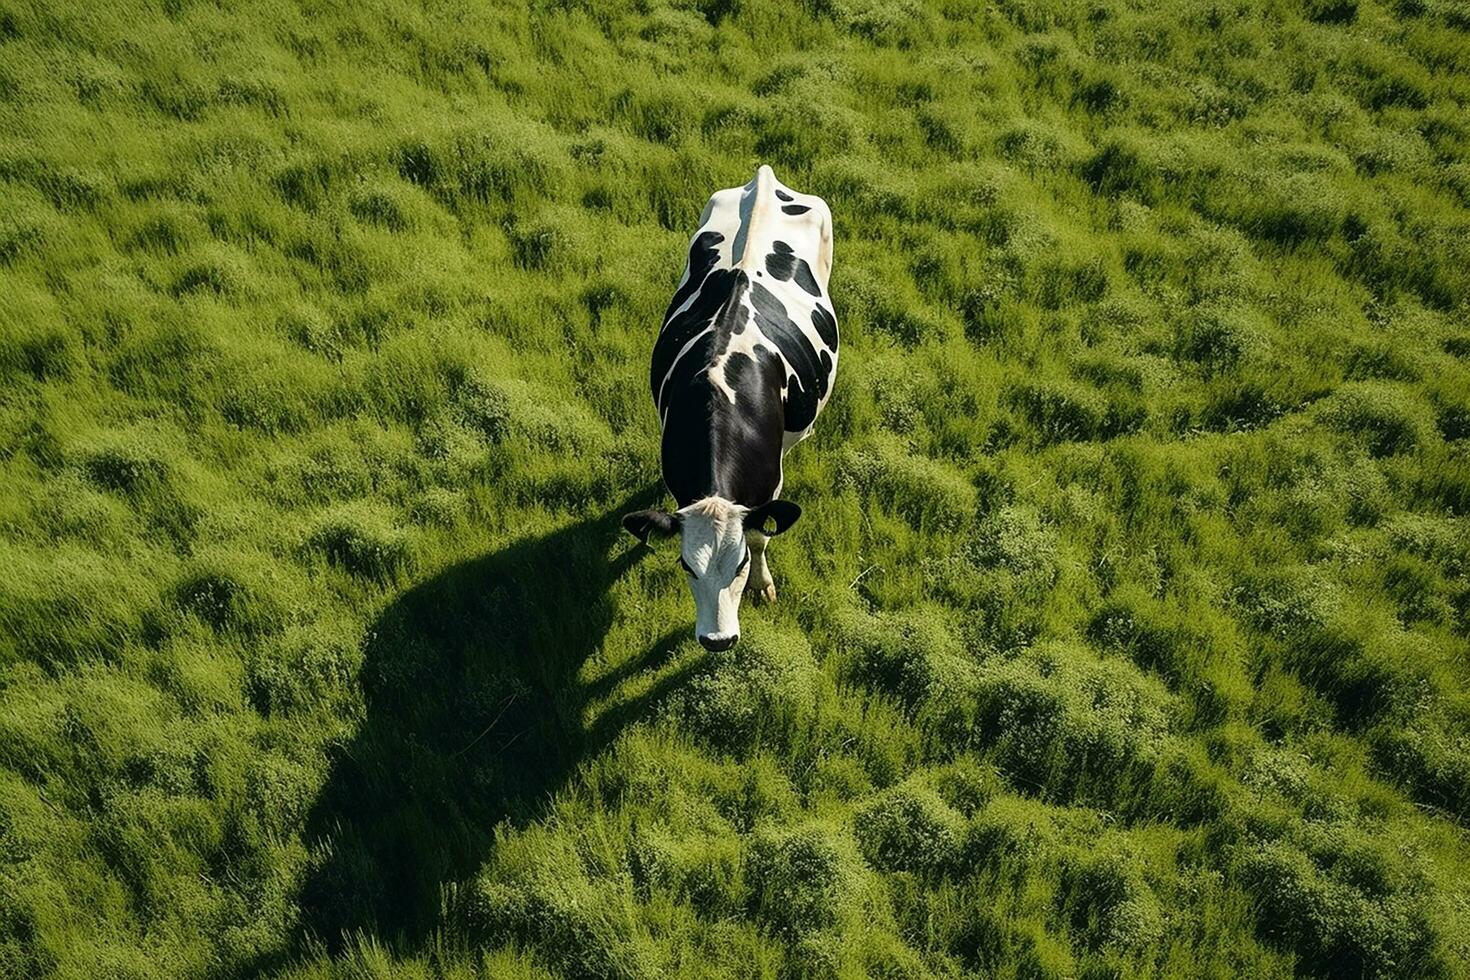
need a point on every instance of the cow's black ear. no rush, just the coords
(645, 524)
(781, 513)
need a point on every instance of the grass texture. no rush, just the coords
(1125, 632)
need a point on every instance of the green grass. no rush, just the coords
(1127, 629)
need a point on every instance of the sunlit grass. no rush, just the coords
(1124, 632)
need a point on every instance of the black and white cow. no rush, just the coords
(743, 365)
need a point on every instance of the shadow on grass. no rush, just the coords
(474, 715)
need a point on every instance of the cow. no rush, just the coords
(743, 365)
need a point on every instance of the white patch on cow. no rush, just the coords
(716, 564)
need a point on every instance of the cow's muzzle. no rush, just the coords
(716, 642)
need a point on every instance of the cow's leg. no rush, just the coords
(760, 584)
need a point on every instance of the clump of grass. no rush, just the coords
(134, 465)
(379, 206)
(908, 828)
(1185, 649)
(40, 353)
(537, 245)
(1381, 361)
(1441, 540)
(439, 507)
(128, 465)
(1332, 11)
(662, 118)
(1120, 166)
(1429, 755)
(1015, 538)
(800, 881)
(1061, 283)
(1288, 602)
(571, 922)
(1387, 420)
(477, 414)
(914, 657)
(1059, 729)
(303, 667)
(216, 597)
(484, 407)
(218, 277)
(1242, 407)
(1217, 340)
(925, 492)
(24, 229)
(1453, 421)
(68, 189)
(1058, 411)
(1292, 210)
(967, 786)
(1038, 146)
(68, 606)
(361, 540)
(1335, 924)
(1110, 903)
(901, 25)
(757, 694)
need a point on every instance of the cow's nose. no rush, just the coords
(715, 643)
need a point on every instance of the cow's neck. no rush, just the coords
(715, 448)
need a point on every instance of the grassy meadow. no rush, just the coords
(1126, 632)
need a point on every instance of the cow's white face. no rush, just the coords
(715, 555)
(716, 562)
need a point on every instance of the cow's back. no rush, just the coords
(752, 306)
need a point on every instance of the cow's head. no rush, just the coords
(715, 554)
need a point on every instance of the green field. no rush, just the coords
(1126, 631)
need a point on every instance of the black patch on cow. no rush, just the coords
(805, 279)
(703, 256)
(781, 264)
(688, 449)
(785, 266)
(807, 383)
(718, 302)
(749, 450)
(794, 209)
(689, 368)
(711, 446)
(784, 196)
(826, 326)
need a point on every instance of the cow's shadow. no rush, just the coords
(474, 715)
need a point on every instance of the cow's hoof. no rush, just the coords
(760, 594)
